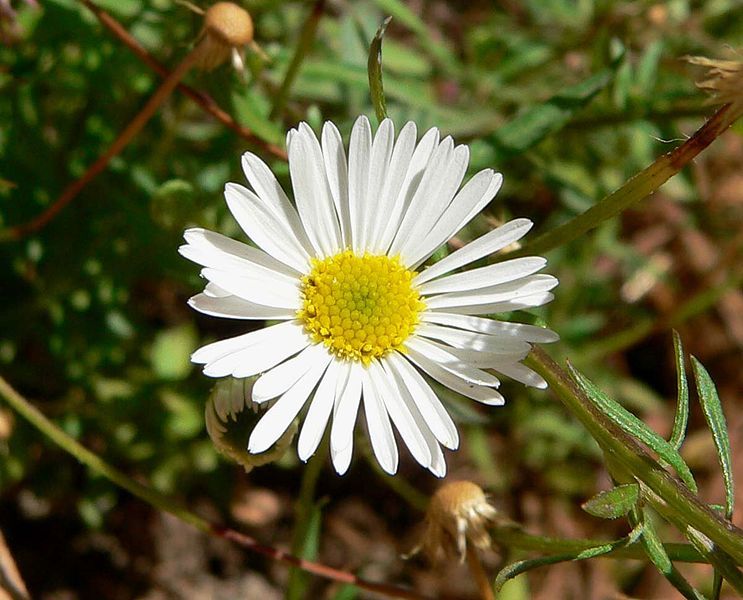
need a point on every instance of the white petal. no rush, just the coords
(359, 158)
(378, 425)
(486, 395)
(483, 246)
(529, 301)
(312, 193)
(345, 410)
(269, 230)
(478, 342)
(259, 355)
(436, 190)
(255, 359)
(431, 202)
(394, 178)
(259, 288)
(436, 463)
(277, 418)
(215, 350)
(425, 399)
(528, 333)
(278, 380)
(214, 291)
(233, 307)
(273, 197)
(321, 406)
(398, 410)
(381, 151)
(522, 374)
(450, 362)
(482, 277)
(342, 459)
(211, 249)
(505, 292)
(469, 201)
(416, 168)
(336, 169)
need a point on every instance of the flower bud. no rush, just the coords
(230, 417)
(227, 29)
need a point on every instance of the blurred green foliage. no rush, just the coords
(567, 98)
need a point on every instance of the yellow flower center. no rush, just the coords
(360, 307)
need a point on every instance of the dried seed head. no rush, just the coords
(458, 514)
(723, 79)
(230, 417)
(227, 29)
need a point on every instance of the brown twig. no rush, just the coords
(205, 101)
(133, 127)
(161, 502)
(478, 573)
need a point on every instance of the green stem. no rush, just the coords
(626, 451)
(637, 188)
(513, 538)
(304, 45)
(161, 502)
(303, 515)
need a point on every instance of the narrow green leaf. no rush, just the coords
(299, 580)
(537, 122)
(724, 565)
(635, 427)
(407, 17)
(658, 556)
(681, 417)
(374, 68)
(614, 503)
(522, 566)
(712, 409)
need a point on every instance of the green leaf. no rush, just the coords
(682, 404)
(536, 123)
(522, 566)
(298, 579)
(635, 427)
(659, 557)
(724, 565)
(614, 503)
(712, 409)
(374, 68)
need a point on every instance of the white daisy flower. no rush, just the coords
(360, 324)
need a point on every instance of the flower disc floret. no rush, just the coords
(360, 307)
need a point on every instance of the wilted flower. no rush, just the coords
(359, 322)
(724, 79)
(458, 514)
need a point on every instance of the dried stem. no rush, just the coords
(161, 502)
(481, 579)
(126, 136)
(205, 101)
(637, 188)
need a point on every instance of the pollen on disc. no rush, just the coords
(360, 307)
